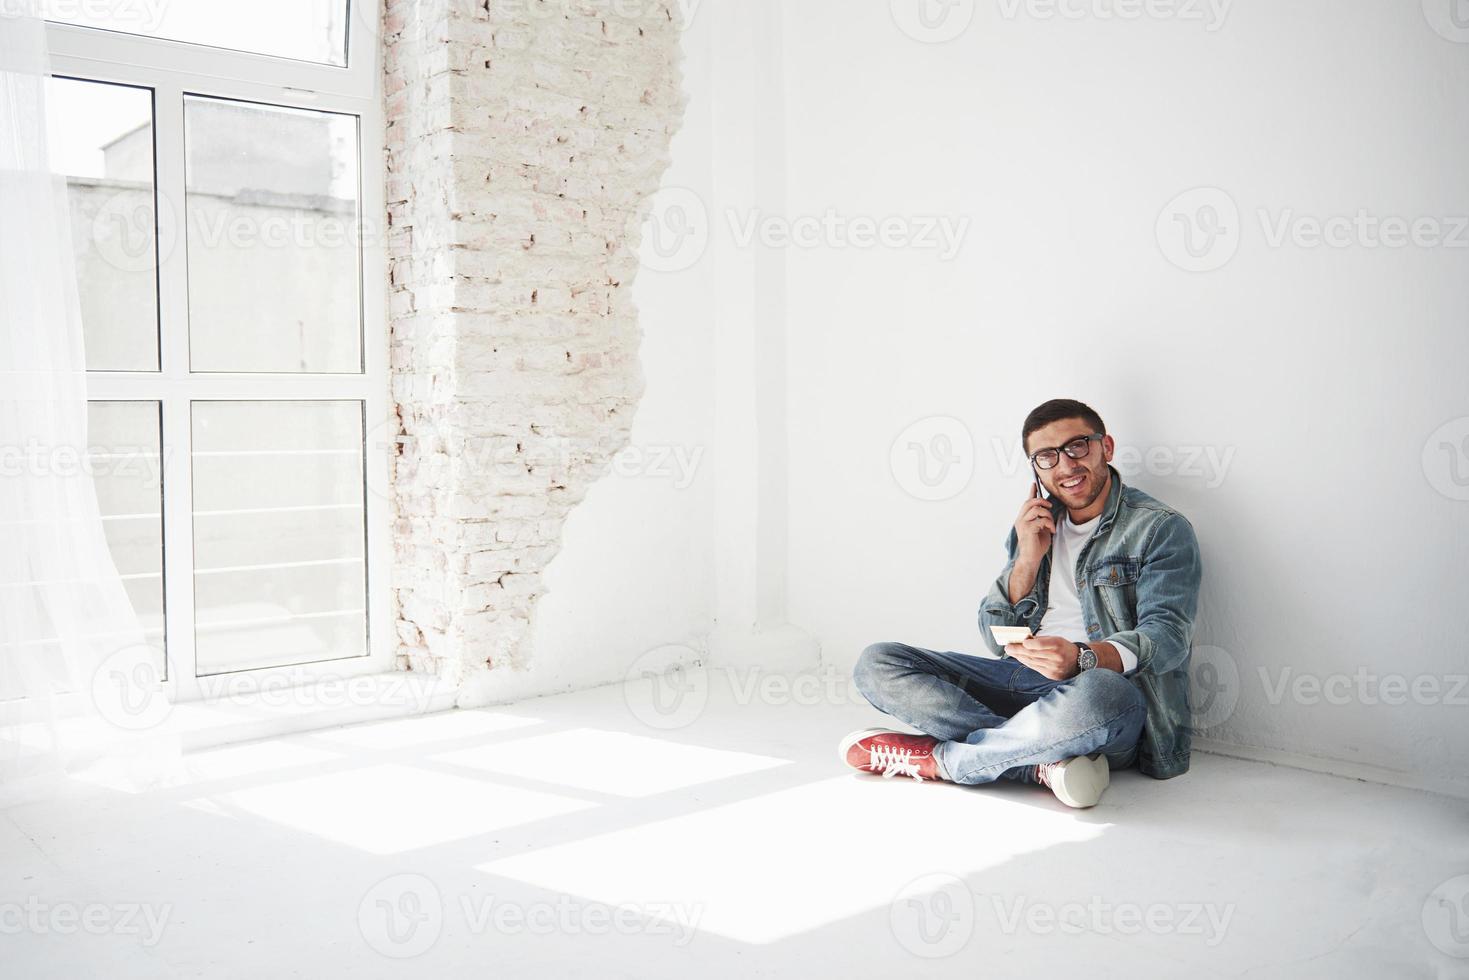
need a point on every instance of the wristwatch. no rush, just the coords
(1086, 659)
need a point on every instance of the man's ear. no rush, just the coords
(1109, 445)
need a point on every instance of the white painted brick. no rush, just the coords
(523, 144)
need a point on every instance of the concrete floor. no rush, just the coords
(568, 836)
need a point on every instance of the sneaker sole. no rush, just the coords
(852, 739)
(1080, 783)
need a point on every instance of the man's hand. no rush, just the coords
(1033, 529)
(1049, 656)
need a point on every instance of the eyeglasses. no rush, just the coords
(1078, 448)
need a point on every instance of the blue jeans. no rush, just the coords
(997, 717)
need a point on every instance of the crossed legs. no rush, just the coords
(997, 717)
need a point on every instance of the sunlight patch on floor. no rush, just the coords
(420, 730)
(392, 809)
(745, 868)
(615, 763)
(252, 758)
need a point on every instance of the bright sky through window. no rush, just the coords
(304, 30)
(82, 118)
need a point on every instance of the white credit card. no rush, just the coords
(1010, 634)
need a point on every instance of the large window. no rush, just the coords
(232, 280)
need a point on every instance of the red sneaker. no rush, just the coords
(882, 750)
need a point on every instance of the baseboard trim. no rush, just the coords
(230, 720)
(1443, 786)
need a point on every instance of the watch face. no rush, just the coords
(1087, 659)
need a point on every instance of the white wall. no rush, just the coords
(1286, 397)
(648, 566)
(635, 573)
(1318, 372)
(513, 186)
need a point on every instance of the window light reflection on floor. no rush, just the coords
(742, 864)
(615, 763)
(390, 809)
(423, 729)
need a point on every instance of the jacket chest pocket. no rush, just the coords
(1115, 580)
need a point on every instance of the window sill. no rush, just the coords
(266, 711)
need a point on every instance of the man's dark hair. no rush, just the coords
(1054, 411)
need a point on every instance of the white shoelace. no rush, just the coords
(893, 761)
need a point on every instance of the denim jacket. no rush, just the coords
(1139, 585)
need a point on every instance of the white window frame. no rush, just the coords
(173, 69)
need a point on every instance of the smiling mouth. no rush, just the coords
(1073, 483)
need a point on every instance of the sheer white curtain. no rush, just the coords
(79, 689)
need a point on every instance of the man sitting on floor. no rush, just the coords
(1106, 578)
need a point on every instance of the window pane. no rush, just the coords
(124, 440)
(101, 138)
(274, 267)
(305, 30)
(280, 573)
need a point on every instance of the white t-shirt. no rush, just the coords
(1063, 616)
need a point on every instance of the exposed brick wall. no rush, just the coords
(525, 140)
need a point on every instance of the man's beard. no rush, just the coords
(1100, 480)
(1098, 483)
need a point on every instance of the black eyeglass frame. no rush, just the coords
(1086, 449)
